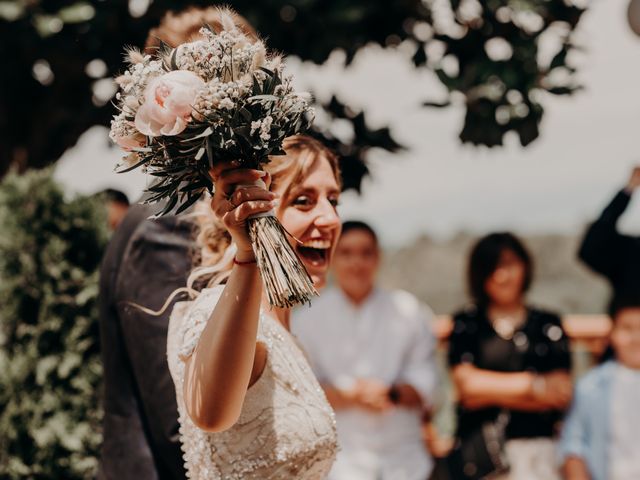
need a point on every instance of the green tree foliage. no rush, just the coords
(51, 96)
(63, 53)
(50, 250)
(493, 52)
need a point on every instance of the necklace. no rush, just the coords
(506, 325)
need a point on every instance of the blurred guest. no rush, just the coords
(510, 365)
(145, 262)
(117, 207)
(373, 352)
(600, 436)
(609, 252)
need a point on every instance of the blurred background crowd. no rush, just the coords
(453, 120)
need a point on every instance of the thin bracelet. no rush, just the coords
(248, 262)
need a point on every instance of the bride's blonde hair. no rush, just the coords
(177, 27)
(214, 249)
(214, 252)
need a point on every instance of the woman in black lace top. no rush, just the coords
(509, 360)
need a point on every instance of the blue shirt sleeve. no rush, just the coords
(574, 439)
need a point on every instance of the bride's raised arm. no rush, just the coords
(219, 371)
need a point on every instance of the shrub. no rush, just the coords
(50, 371)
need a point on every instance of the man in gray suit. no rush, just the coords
(145, 262)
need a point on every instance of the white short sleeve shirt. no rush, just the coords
(388, 338)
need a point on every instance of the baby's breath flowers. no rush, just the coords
(217, 99)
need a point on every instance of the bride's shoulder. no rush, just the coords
(207, 297)
(189, 318)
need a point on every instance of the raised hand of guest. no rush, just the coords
(634, 180)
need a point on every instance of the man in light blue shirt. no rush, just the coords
(600, 436)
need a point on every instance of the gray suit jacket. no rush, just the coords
(145, 261)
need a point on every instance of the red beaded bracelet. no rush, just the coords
(248, 262)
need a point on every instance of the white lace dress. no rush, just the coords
(286, 429)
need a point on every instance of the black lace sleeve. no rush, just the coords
(463, 346)
(551, 346)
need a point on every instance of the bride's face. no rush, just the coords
(309, 214)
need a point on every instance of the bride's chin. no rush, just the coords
(319, 281)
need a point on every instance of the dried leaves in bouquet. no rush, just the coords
(220, 98)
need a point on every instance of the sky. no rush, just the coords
(588, 145)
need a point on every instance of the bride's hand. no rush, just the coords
(236, 199)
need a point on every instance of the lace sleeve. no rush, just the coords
(196, 319)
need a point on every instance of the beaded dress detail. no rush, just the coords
(286, 429)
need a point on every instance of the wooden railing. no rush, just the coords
(590, 332)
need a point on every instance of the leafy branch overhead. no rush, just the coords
(353, 152)
(63, 55)
(500, 55)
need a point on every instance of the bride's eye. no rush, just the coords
(301, 201)
(335, 202)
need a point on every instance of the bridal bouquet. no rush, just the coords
(220, 98)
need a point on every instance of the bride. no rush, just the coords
(249, 405)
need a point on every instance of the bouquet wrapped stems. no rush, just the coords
(286, 281)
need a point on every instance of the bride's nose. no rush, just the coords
(327, 217)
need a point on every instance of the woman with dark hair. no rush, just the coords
(510, 365)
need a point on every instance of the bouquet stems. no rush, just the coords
(285, 279)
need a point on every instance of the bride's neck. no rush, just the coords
(283, 315)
